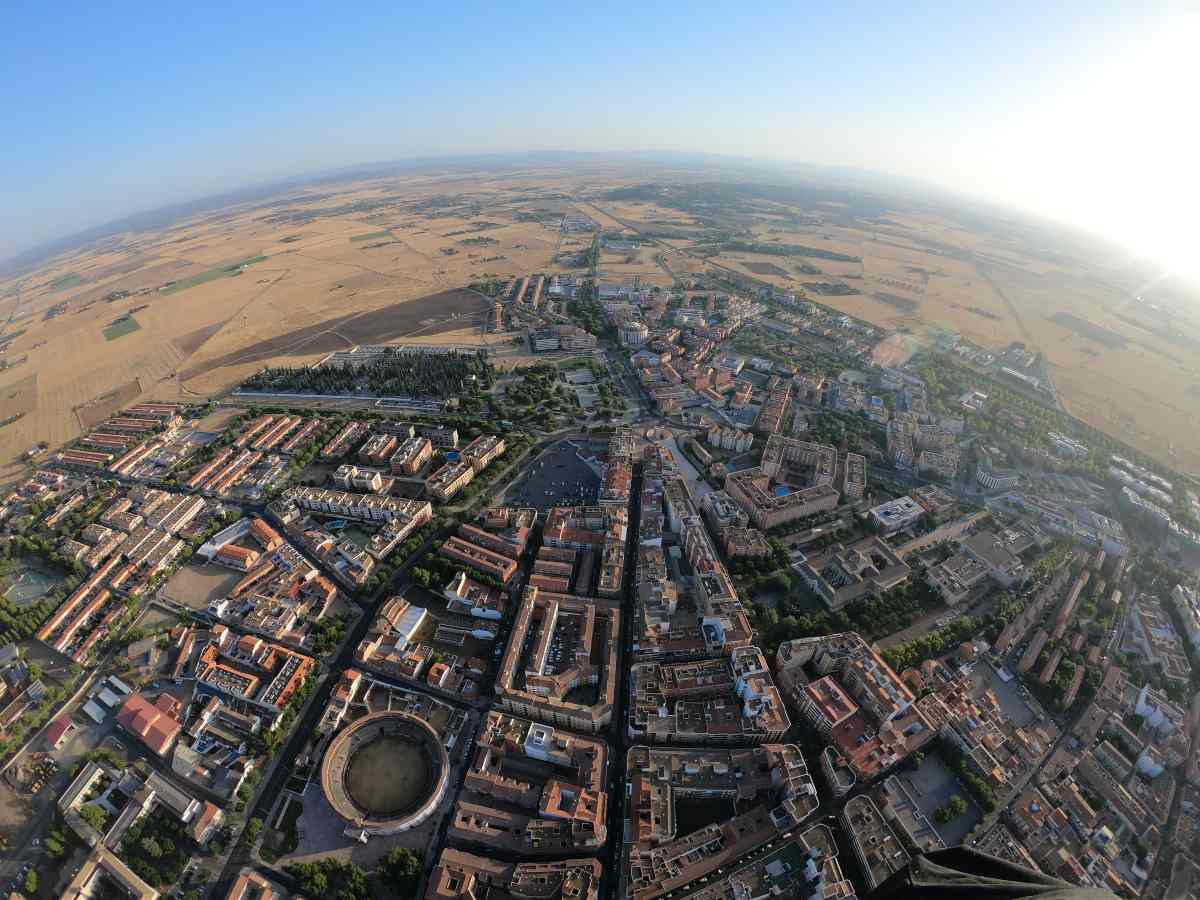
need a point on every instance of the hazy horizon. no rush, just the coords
(1076, 113)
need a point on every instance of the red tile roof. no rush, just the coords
(149, 722)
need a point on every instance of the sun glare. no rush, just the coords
(1117, 147)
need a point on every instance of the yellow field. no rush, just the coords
(384, 259)
(316, 290)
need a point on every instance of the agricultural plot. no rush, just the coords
(19, 398)
(94, 412)
(370, 262)
(229, 271)
(64, 282)
(121, 327)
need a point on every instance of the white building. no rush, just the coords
(1066, 446)
(896, 514)
(1187, 604)
(730, 439)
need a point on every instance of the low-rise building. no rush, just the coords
(895, 515)
(463, 876)
(841, 574)
(480, 558)
(474, 599)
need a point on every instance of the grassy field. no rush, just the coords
(121, 327)
(226, 271)
(370, 237)
(63, 282)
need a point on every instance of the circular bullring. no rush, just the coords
(385, 773)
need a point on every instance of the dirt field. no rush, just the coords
(96, 411)
(19, 398)
(196, 585)
(388, 776)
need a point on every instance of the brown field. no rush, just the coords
(19, 398)
(96, 411)
(317, 291)
(764, 268)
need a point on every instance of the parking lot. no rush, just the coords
(558, 478)
(1011, 695)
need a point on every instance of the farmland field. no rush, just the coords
(94, 412)
(224, 271)
(288, 279)
(121, 327)
(62, 282)
(19, 398)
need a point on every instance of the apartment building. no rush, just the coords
(854, 476)
(563, 812)
(411, 455)
(732, 700)
(550, 654)
(879, 851)
(449, 480)
(369, 507)
(480, 453)
(729, 439)
(769, 506)
(343, 442)
(377, 449)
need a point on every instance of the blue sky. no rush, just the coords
(1063, 108)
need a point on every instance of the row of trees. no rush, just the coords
(957, 763)
(793, 616)
(395, 372)
(435, 573)
(932, 644)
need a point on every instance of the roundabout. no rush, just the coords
(385, 773)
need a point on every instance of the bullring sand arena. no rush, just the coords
(388, 776)
(189, 310)
(385, 773)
